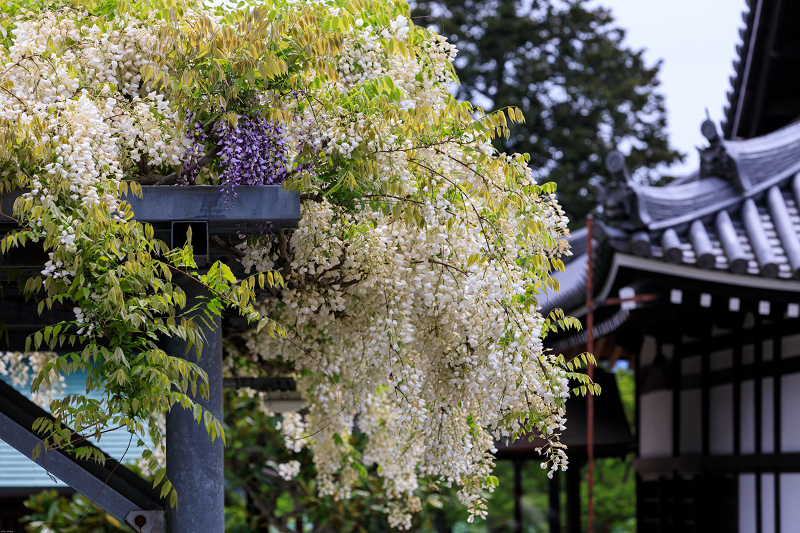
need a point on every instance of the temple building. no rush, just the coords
(716, 344)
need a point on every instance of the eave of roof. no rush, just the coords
(741, 67)
(764, 93)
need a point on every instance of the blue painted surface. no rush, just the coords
(18, 471)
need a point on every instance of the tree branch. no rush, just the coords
(148, 177)
(316, 197)
(283, 249)
(228, 247)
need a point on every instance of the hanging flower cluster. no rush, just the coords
(408, 295)
(254, 152)
(196, 138)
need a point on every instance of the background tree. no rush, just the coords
(581, 90)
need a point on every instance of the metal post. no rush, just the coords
(590, 373)
(195, 464)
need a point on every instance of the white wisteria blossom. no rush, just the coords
(405, 303)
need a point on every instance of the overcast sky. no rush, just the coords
(696, 40)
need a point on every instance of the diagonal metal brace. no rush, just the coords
(111, 486)
(147, 521)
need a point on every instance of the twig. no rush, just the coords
(146, 175)
(480, 218)
(448, 266)
(399, 198)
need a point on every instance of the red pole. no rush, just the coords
(590, 373)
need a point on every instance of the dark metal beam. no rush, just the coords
(253, 204)
(59, 465)
(264, 383)
(111, 486)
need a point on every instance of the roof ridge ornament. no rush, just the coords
(618, 196)
(714, 160)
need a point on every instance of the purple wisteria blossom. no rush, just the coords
(195, 151)
(252, 153)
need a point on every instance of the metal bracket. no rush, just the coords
(147, 521)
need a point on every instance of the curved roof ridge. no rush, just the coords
(779, 137)
(767, 160)
(661, 207)
(761, 163)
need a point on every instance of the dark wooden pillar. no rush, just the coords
(574, 496)
(554, 497)
(518, 465)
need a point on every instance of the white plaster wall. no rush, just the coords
(747, 427)
(790, 510)
(790, 346)
(767, 418)
(720, 412)
(747, 503)
(768, 504)
(690, 365)
(655, 423)
(691, 437)
(790, 414)
(721, 360)
(648, 352)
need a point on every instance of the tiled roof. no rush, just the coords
(747, 222)
(743, 221)
(572, 280)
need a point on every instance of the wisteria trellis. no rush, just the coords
(414, 276)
